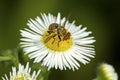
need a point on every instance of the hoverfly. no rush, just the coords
(57, 30)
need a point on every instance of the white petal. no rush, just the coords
(39, 58)
(63, 21)
(58, 18)
(45, 20)
(41, 23)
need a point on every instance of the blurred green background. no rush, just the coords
(102, 17)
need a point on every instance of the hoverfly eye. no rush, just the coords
(56, 25)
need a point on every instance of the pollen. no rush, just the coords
(53, 42)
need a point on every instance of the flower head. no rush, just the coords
(22, 73)
(56, 43)
(106, 72)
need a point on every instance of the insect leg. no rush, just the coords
(54, 38)
(48, 38)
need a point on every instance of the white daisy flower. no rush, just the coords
(108, 72)
(22, 73)
(56, 43)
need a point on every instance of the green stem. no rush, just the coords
(6, 58)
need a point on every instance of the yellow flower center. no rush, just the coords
(57, 42)
(19, 78)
